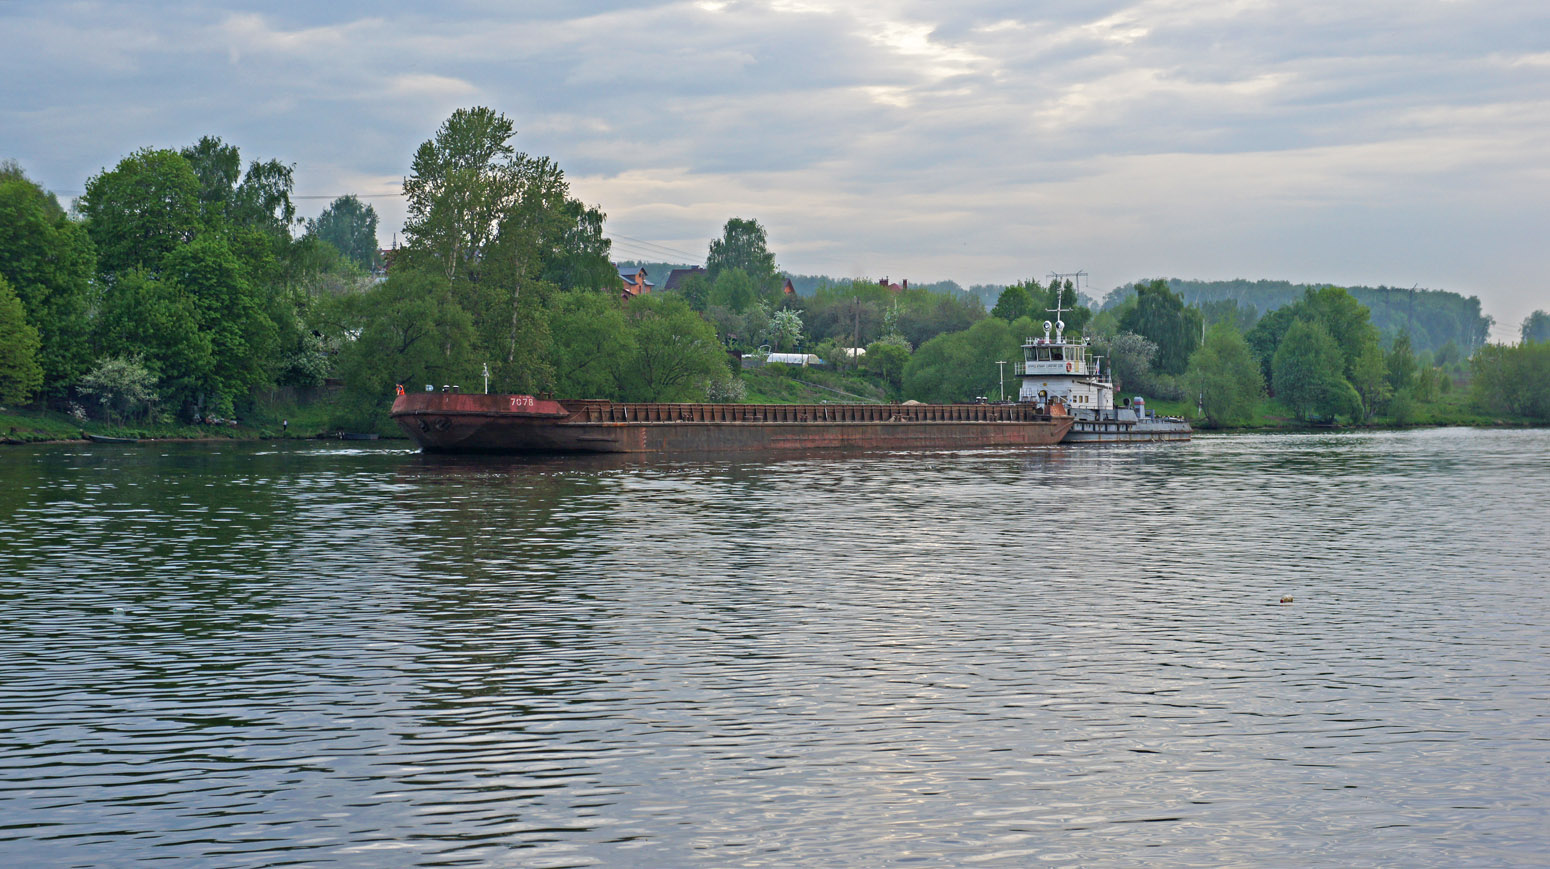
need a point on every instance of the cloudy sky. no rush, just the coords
(1352, 142)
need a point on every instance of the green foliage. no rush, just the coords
(230, 309)
(1401, 364)
(1536, 328)
(1015, 301)
(592, 345)
(351, 227)
(961, 366)
(1431, 317)
(734, 290)
(1160, 317)
(1128, 357)
(1512, 380)
(123, 386)
(155, 321)
(142, 210)
(676, 352)
(49, 261)
(1225, 377)
(1307, 369)
(411, 332)
(1239, 315)
(1370, 378)
(887, 357)
(785, 330)
(20, 374)
(743, 246)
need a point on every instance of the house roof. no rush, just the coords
(676, 277)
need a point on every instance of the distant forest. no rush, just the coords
(1431, 317)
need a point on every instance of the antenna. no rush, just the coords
(1058, 282)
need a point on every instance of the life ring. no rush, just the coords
(1068, 366)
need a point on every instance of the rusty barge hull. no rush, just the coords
(456, 422)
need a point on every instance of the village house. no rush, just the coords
(676, 277)
(634, 280)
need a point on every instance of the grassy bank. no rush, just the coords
(309, 417)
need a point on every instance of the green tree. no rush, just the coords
(734, 290)
(743, 245)
(124, 386)
(20, 374)
(1161, 317)
(1401, 364)
(49, 261)
(886, 357)
(464, 181)
(351, 226)
(592, 345)
(785, 330)
(218, 167)
(1129, 359)
(1308, 374)
(1512, 380)
(1536, 328)
(1015, 301)
(142, 210)
(961, 366)
(411, 332)
(1371, 381)
(231, 311)
(1225, 377)
(153, 320)
(676, 352)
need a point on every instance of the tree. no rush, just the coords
(411, 333)
(351, 226)
(1308, 374)
(785, 330)
(124, 386)
(1015, 301)
(1536, 328)
(231, 311)
(676, 352)
(1225, 376)
(743, 245)
(1161, 317)
(20, 374)
(1512, 380)
(1370, 379)
(592, 345)
(218, 167)
(734, 290)
(142, 210)
(49, 261)
(156, 322)
(886, 357)
(1129, 358)
(961, 366)
(1401, 364)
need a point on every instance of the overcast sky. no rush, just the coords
(1351, 142)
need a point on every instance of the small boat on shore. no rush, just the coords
(108, 439)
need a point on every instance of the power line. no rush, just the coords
(651, 244)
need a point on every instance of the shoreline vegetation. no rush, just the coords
(313, 419)
(182, 287)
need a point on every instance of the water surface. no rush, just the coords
(261, 655)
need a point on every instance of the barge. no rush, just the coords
(474, 422)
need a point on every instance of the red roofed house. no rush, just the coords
(635, 283)
(895, 288)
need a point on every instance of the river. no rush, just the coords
(308, 654)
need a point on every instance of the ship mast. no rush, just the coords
(1057, 281)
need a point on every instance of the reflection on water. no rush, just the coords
(260, 655)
